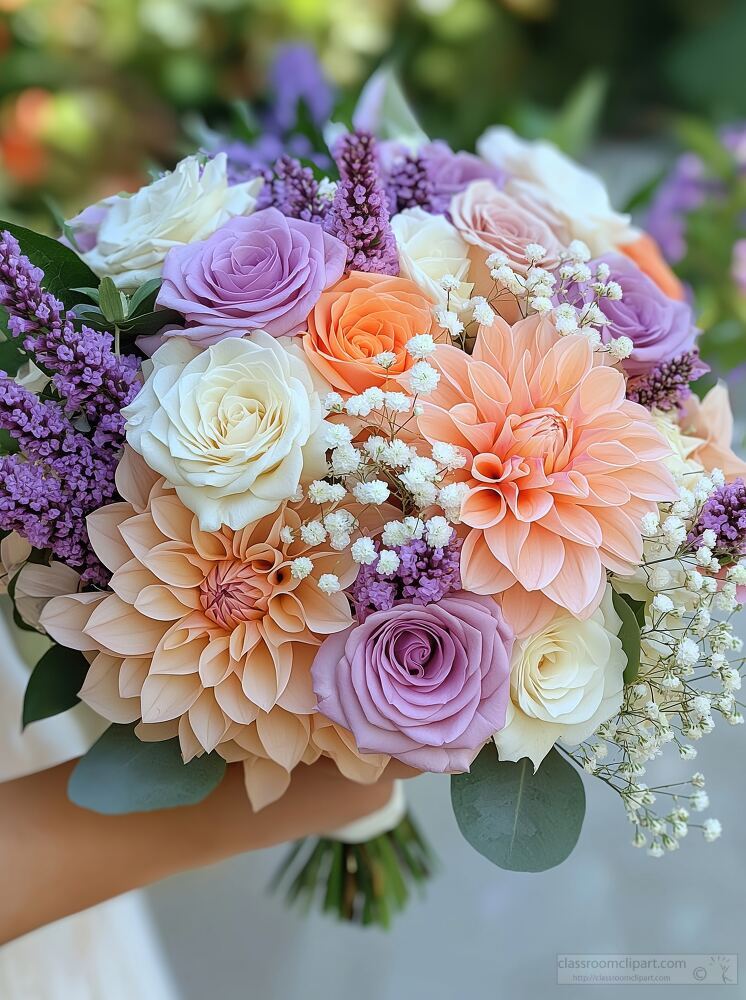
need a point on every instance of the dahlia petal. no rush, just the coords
(65, 619)
(284, 736)
(101, 691)
(265, 782)
(234, 703)
(207, 720)
(167, 696)
(120, 628)
(107, 542)
(481, 573)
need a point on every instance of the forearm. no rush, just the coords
(56, 858)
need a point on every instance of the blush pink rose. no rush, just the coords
(491, 220)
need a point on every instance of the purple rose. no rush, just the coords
(261, 272)
(661, 328)
(449, 172)
(428, 685)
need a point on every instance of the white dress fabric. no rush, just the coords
(110, 952)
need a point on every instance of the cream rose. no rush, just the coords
(576, 196)
(235, 429)
(429, 248)
(565, 680)
(188, 204)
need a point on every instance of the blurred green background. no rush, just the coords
(95, 92)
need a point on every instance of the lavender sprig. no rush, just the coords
(359, 215)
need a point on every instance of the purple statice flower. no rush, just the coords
(68, 447)
(295, 191)
(667, 385)
(425, 575)
(58, 476)
(359, 215)
(85, 371)
(724, 513)
(409, 185)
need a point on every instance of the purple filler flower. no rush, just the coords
(724, 512)
(264, 272)
(426, 684)
(661, 328)
(424, 576)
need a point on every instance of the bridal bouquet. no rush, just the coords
(395, 457)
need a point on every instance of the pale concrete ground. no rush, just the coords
(480, 931)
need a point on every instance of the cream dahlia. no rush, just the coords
(208, 635)
(561, 467)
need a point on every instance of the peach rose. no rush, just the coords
(361, 317)
(491, 220)
(646, 253)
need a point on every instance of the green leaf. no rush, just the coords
(516, 819)
(64, 271)
(54, 684)
(575, 123)
(12, 356)
(111, 301)
(139, 298)
(630, 611)
(122, 774)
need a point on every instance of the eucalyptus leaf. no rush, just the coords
(54, 684)
(516, 819)
(629, 634)
(122, 774)
(64, 270)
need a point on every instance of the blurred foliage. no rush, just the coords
(90, 90)
(697, 212)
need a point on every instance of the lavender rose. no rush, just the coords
(661, 328)
(427, 685)
(262, 272)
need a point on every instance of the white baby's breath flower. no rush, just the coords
(322, 492)
(448, 455)
(336, 434)
(301, 567)
(332, 402)
(396, 454)
(438, 532)
(421, 346)
(313, 533)
(451, 499)
(621, 348)
(363, 551)
(385, 359)
(329, 583)
(397, 402)
(711, 829)
(287, 534)
(482, 311)
(423, 378)
(345, 460)
(375, 492)
(388, 562)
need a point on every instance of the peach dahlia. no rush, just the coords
(561, 467)
(208, 635)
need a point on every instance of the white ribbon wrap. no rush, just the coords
(377, 823)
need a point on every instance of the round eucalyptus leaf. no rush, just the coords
(519, 820)
(122, 774)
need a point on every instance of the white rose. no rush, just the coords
(188, 204)
(429, 248)
(578, 197)
(565, 680)
(235, 428)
